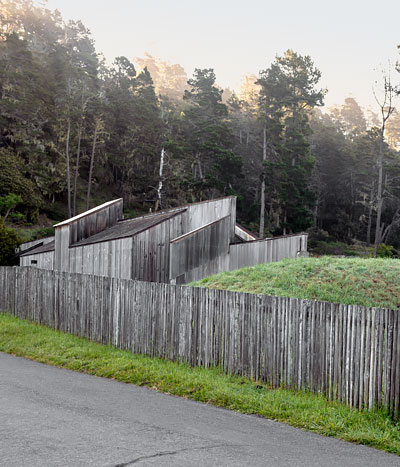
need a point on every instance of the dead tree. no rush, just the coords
(386, 109)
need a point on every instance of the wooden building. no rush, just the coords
(174, 246)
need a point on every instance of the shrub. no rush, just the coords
(385, 251)
(43, 232)
(9, 241)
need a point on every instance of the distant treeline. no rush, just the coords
(74, 131)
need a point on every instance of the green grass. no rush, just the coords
(300, 409)
(353, 281)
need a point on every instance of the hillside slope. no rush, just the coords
(353, 281)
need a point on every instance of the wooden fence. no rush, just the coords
(348, 353)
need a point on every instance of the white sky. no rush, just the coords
(347, 40)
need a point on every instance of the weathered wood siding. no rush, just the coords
(266, 251)
(61, 248)
(151, 250)
(200, 214)
(157, 254)
(83, 226)
(346, 352)
(88, 225)
(41, 241)
(200, 253)
(41, 261)
(112, 258)
(244, 235)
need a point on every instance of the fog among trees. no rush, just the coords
(76, 131)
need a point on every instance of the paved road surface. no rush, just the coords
(54, 417)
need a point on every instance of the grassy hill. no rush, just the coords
(353, 281)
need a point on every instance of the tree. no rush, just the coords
(288, 95)
(331, 176)
(14, 178)
(386, 109)
(350, 118)
(7, 204)
(9, 242)
(393, 130)
(170, 80)
(209, 141)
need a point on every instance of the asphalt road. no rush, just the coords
(55, 417)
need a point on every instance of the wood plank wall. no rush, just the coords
(266, 251)
(151, 251)
(200, 253)
(199, 214)
(43, 260)
(112, 258)
(81, 227)
(346, 352)
(87, 225)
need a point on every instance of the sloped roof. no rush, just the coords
(39, 249)
(128, 228)
(87, 213)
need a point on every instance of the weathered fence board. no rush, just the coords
(346, 352)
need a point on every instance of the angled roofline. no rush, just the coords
(88, 213)
(78, 244)
(268, 239)
(205, 226)
(48, 247)
(179, 208)
(252, 234)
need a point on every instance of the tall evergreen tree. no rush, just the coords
(288, 95)
(209, 141)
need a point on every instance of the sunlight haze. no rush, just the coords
(346, 40)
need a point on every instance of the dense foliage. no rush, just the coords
(75, 132)
(9, 241)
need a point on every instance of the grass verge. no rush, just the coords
(300, 409)
(352, 281)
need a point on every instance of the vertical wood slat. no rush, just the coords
(348, 353)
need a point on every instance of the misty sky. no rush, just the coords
(346, 39)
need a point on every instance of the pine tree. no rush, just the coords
(288, 95)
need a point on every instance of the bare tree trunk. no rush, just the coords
(284, 222)
(379, 198)
(395, 221)
(262, 207)
(78, 152)
(370, 214)
(386, 111)
(198, 163)
(68, 170)
(6, 215)
(160, 182)
(91, 165)
(315, 211)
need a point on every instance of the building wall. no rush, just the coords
(200, 214)
(87, 225)
(41, 260)
(201, 252)
(112, 258)
(266, 251)
(142, 257)
(83, 226)
(151, 250)
(193, 244)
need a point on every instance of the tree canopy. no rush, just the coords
(75, 131)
